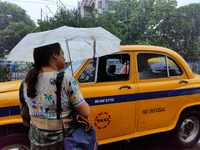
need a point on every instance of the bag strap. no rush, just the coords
(79, 118)
(21, 94)
(59, 80)
(23, 105)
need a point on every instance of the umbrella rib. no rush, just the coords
(115, 44)
(71, 38)
(88, 42)
(94, 46)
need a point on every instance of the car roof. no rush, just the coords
(148, 48)
(145, 48)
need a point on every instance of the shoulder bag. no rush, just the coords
(84, 137)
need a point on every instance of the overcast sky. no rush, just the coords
(48, 7)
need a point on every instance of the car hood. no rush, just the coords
(9, 86)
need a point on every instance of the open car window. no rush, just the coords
(114, 67)
(88, 74)
(107, 68)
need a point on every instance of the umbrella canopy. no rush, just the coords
(77, 43)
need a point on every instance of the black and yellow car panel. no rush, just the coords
(9, 99)
(140, 91)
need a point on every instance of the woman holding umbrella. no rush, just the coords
(40, 96)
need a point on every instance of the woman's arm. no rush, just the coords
(83, 109)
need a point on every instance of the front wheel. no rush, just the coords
(187, 131)
(15, 141)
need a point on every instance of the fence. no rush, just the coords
(18, 71)
(195, 66)
(13, 71)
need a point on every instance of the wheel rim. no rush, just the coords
(189, 129)
(16, 147)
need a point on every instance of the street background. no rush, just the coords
(158, 141)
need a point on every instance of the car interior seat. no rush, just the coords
(111, 69)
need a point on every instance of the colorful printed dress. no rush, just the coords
(44, 106)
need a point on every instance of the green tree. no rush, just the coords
(5, 74)
(13, 29)
(106, 20)
(17, 15)
(187, 33)
(67, 17)
(12, 35)
(139, 18)
(159, 22)
(147, 22)
(179, 30)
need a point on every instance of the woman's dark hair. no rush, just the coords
(41, 57)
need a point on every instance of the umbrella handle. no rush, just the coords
(94, 48)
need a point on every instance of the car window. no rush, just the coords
(153, 66)
(113, 68)
(75, 65)
(174, 69)
(88, 74)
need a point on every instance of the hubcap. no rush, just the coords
(16, 147)
(189, 129)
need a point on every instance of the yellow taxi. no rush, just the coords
(139, 91)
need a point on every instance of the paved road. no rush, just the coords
(151, 142)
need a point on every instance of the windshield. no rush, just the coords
(75, 66)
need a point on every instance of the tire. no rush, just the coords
(15, 141)
(187, 131)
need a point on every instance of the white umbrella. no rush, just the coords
(77, 43)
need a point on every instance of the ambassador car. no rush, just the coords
(139, 91)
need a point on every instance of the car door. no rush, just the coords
(108, 86)
(161, 88)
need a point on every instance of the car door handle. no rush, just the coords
(123, 87)
(183, 81)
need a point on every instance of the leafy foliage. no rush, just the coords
(157, 22)
(187, 33)
(12, 35)
(13, 29)
(4, 72)
(147, 22)
(63, 17)
(16, 13)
